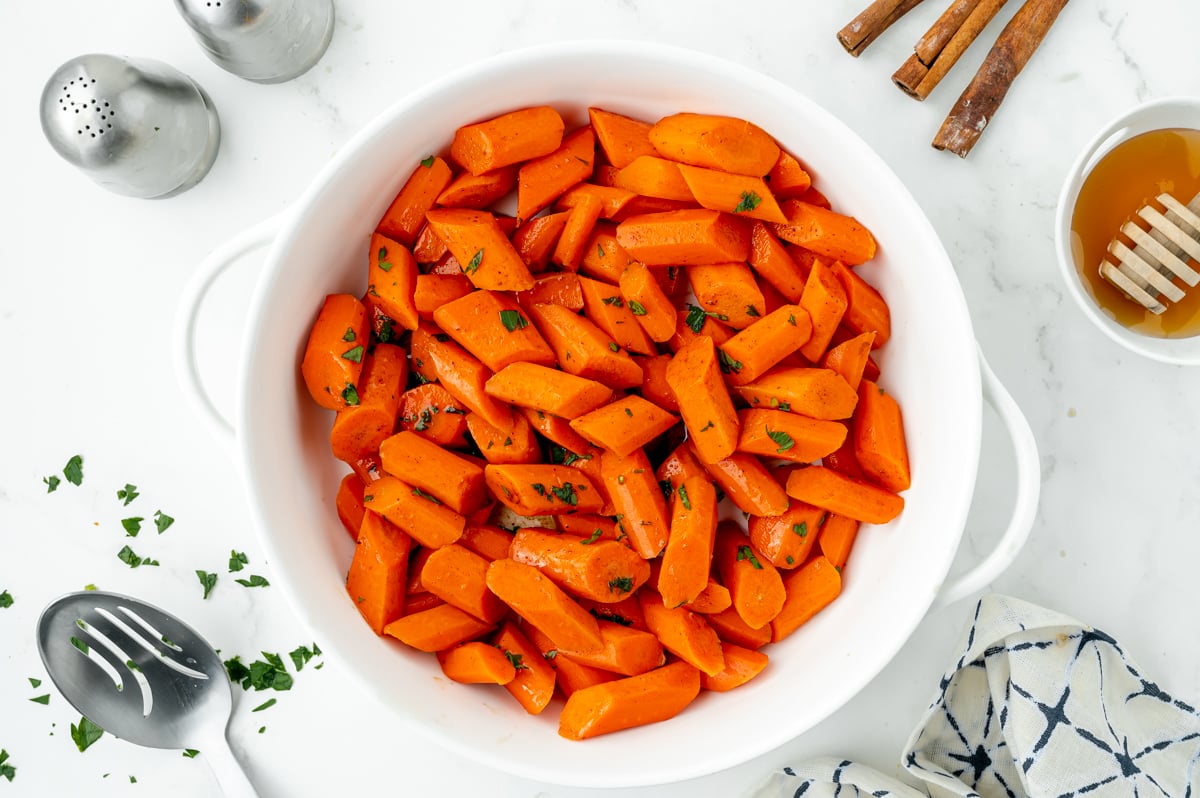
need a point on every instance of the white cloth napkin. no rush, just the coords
(1037, 705)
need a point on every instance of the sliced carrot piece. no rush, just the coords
(433, 413)
(849, 358)
(556, 429)
(540, 181)
(404, 217)
(728, 290)
(428, 248)
(788, 177)
(476, 663)
(553, 289)
(685, 238)
(543, 489)
(569, 675)
(754, 585)
(681, 464)
(376, 580)
(650, 697)
(647, 302)
(753, 351)
(688, 556)
(516, 445)
(458, 576)
(582, 348)
(507, 139)
(640, 205)
(481, 247)
(606, 308)
(568, 252)
(603, 257)
(865, 309)
(492, 327)
(651, 176)
(534, 597)
(452, 480)
(810, 589)
(837, 538)
(749, 485)
(684, 633)
(546, 389)
(627, 650)
(349, 503)
(788, 436)
(359, 429)
(879, 443)
(696, 322)
(624, 425)
(533, 685)
(601, 570)
(827, 233)
(654, 382)
(843, 460)
(436, 629)
(741, 665)
(638, 500)
(717, 142)
(770, 259)
(611, 198)
(392, 280)
(620, 137)
(431, 291)
(843, 495)
(787, 539)
(536, 238)
(488, 541)
(713, 598)
(743, 195)
(334, 353)
(423, 517)
(704, 403)
(825, 300)
(588, 526)
(732, 629)
(463, 376)
(478, 191)
(817, 393)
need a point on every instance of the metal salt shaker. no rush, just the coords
(135, 126)
(267, 41)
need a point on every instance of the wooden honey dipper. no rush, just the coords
(1147, 273)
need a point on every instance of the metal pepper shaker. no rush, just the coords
(135, 126)
(267, 41)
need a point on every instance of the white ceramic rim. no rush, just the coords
(1153, 115)
(955, 498)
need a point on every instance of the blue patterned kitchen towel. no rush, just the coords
(1038, 706)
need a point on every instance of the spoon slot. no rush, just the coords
(146, 644)
(95, 656)
(121, 656)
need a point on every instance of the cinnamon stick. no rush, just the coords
(943, 30)
(873, 21)
(917, 78)
(982, 98)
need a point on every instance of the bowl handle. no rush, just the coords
(194, 293)
(1029, 484)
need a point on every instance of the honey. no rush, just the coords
(1129, 176)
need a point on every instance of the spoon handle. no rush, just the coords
(229, 772)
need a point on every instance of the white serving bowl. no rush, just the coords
(931, 365)
(1170, 112)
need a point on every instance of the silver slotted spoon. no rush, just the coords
(143, 675)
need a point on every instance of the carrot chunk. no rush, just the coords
(476, 663)
(827, 233)
(754, 585)
(533, 684)
(879, 438)
(415, 512)
(481, 248)
(492, 327)
(624, 425)
(376, 580)
(843, 495)
(507, 139)
(743, 195)
(685, 238)
(452, 480)
(741, 665)
(650, 697)
(534, 597)
(817, 393)
(403, 219)
(704, 403)
(334, 353)
(541, 388)
(638, 501)
(788, 436)
(809, 589)
(752, 352)
(540, 181)
(582, 348)
(717, 142)
(787, 539)
(620, 137)
(684, 633)
(601, 570)
(532, 490)
(436, 629)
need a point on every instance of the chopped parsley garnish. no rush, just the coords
(85, 733)
(132, 526)
(728, 364)
(610, 616)
(381, 255)
(73, 470)
(683, 497)
(696, 316)
(596, 533)
(748, 202)
(427, 162)
(516, 660)
(6, 601)
(566, 494)
(792, 319)
(599, 250)
(751, 310)
(6, 770)
(615, 301)
(270, 702)
(707, 426)
(513, 320)
(473, 265)
(350, 395)
(791, 560)
(620, 479)
(133, 666)
(801, 529)
(300, 656)
(665, 486)
(237, 560)
(254, 581)
(620, 584)
(354, 355)
(128, 494)
(425, 420)
(781, 439)
(41, 699)
(207, 581)
(551, 654)
(386, 330)
(127, 556)
(563, 456)
(426, 496)
(349, 336)
(539, 488)
(637, 308)
(190, 753)
(35, 683)
(384, 265)
(268, 673)
(612, 345)
(51, 482)
(629, 412)
(79, 644)
(746, 553)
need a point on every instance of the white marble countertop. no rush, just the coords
(89, 284)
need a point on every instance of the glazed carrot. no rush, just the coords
(879, 443)
(334, 353)
(601, 570)
(430, 411)
(865, 309)
(650, 697)
(681, 464)
(714, 598)
(732, 629)
(368, 469)
(849, 358)
(627, 651)
(771, 261)
(651, 176)
(624, 425)
(817, 393)
(843, 460)
(809, 590)
(464, 377)
(420, 602)
(741, 665)
(604, 258)
(752, 352)
(403, 219)
(376, 580)
(612, 199)
(606, 308)
(428, 249)
(359, 429)
(481, 248)
(743, 195)
(704, 403)
(688, 556)
(621, 138)
(556, 429)
(626, 612)
(478, 191)
(728, 290)
(536, 238)
(476, 663)
(569, 675)
(422, 517)
(488, 541)
(787, 539)
(492, 327)
(825, 300)
(815, 197)
(685, 238)
(431, 291)
(549, 390)
(651, 307)
(436, 629)
(749, 485)
(452, 480)
(641, 205)
(583, 349)
(543, 489)
(540, 181)
(349, 503)
(837, 538)
(458, 576)
(654, 382)
(754, 585)
(843, 495)
(684, 633)
(788, 178)
(638, 501)
(553, 289)
(827, 233)
(507, 139)
(716, 142)
(695, 322)
(588, 526)
(586, 460)
(533, 685)
(772, 299)
(604, 174)
(536, 598)
(392, 279)
(788, 436)
(516, 445)
(568, 252)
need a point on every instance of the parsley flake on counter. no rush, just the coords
(35, 683)
(254, 581)
(237, 560)
(781, 439)
(300, 656)
(620, 584)
(133, 779)
(51, 483)
(270, 702)
(6, 600)
(262, 729)
(132, 526)
(748, 202)
(128, 494)
(190, 753)
(41, 699)
(162, 521)
(85, 734)
(513, 320)
(473, 265)
(207, 581)
(6, 770)
(73, 470)
(127, 556)
(268, 673)
(746, 553)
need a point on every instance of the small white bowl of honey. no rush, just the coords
(1146, 155)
